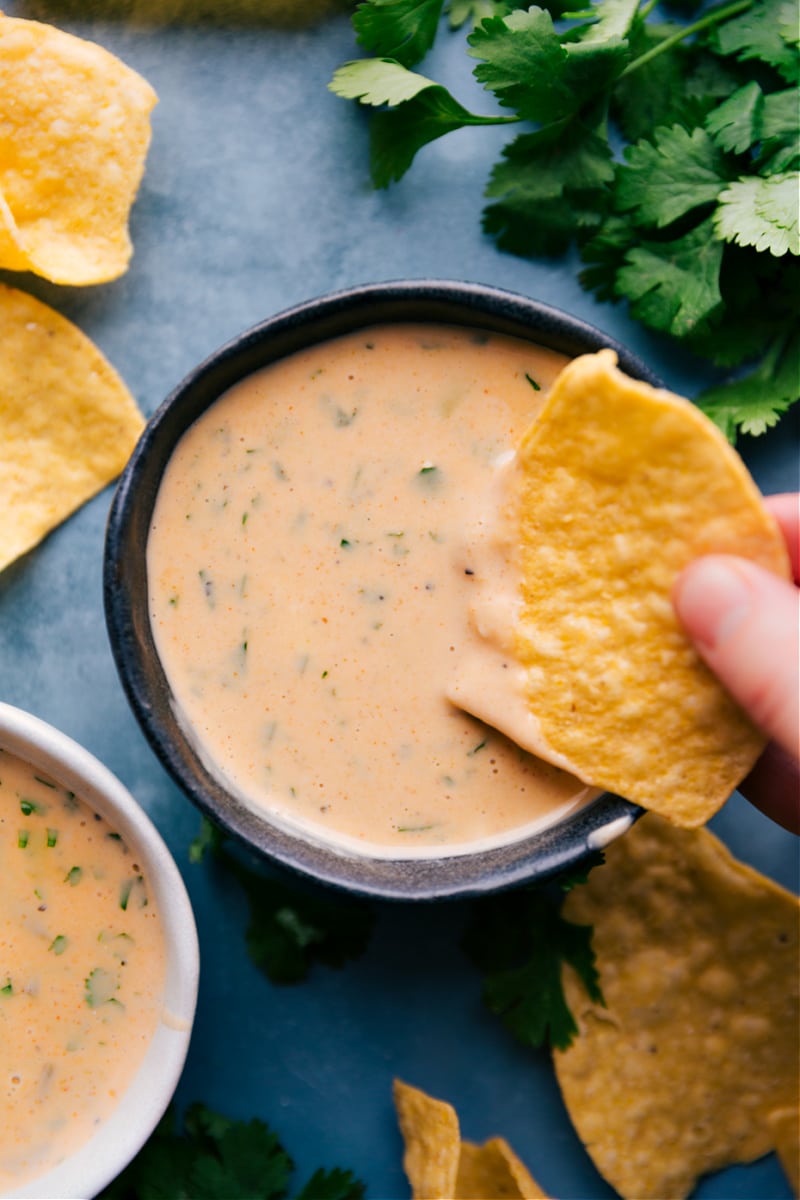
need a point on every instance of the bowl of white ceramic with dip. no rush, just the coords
(99, 967)
(288, 564)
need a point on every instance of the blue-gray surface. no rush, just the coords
(256, 196)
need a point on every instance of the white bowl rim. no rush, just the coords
(97, 1162)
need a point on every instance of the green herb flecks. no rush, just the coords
(536, 386)
(99, 988)
(23, 837)
(8, 987)
(132, 891)
(667, 150)
(52, 838)
(73, 876)
(58, 944)
(28, 806)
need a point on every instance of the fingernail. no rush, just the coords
(712, 599)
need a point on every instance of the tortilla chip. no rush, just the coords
(785, 1126)
(440, 1166)
(67, 422)
(622, 485)
(73, 142)
(698, 1045)
(493, 1170)
(432, 1142)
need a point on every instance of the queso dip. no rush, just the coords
(82, 967)
(313, 555)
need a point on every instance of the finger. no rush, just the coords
(785, 508)
(745, 624)
(773, 785)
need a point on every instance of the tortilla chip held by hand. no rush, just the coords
(68, 423)
(440, 1166)
(692, 1064)
(73, 141)
(622, 485)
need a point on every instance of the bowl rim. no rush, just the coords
(94, 1164)
(533, 858)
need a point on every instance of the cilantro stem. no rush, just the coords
(646, 9)
(714, 18)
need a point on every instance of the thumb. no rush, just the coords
(745, 624)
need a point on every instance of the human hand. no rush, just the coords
(745, 624)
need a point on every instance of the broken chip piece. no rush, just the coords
(67, 421)
(73, 142)
(694, 1057)
(440, 1166)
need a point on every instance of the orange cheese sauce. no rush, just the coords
(82, 967)
(311, 564)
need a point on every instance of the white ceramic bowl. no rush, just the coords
(94, 1164)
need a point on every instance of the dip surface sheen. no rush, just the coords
(309, 576)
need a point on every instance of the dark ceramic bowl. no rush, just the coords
(534, 857)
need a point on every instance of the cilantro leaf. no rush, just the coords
(673, 286)
(611, 22)
(735, 124)
(292, 927)
(754, 403)
(666, 151)
(644, 100)
(420, 112)
(378, 81)
(549, 185)
(213, 1157)
(208, 841)
(673, 175)
(519, 941)
(332, 1185)
(403, 30)
(780, 133)
(241, 1159)
(523, 63)
(461, 12)
(604, 253)
(526, 66)
(766, 31)
(762, 213)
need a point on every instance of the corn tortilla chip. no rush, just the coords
(432, 1142)
(785, 1126)
(621, 486)
(493, 1172)
(698, 1046)
(440, 1166)
(67, 422)
(73, 141)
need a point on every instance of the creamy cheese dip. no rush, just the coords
(312, 562)
(82, 968)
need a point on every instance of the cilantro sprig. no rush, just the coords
(291, 928)
(666, 150)
(519, 940)
(213, 1157)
